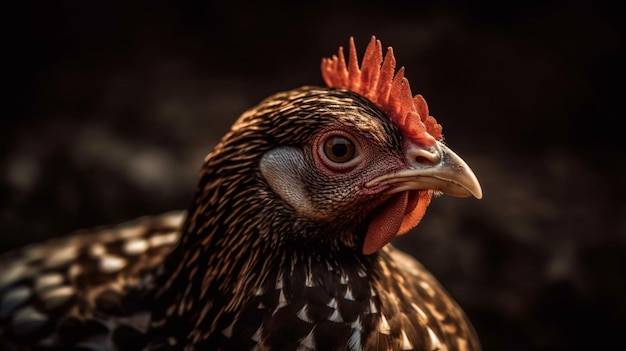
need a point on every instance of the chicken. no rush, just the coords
(285, 245)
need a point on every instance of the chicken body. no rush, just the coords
(283, 247)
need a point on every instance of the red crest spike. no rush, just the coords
(377, 81)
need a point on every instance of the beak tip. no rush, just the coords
(477, 192)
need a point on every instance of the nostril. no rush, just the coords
(424, 160)
(424, 155)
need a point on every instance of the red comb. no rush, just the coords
(390, 91)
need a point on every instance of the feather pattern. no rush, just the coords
(244, 269)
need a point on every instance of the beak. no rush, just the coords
(437, 168)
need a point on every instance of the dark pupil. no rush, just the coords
(340, 147)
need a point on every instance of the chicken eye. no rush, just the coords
(339, 149)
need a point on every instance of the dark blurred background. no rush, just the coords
(108, 109)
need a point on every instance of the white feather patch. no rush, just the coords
(373, 308)
(164, 239)
(348, 295)
(434, 340)
(332, 303)
(354, 343)
(422, 316)
(309, 281)
(302, 315)
(282, 301)
(308, 342)
(228, 332)
(135, 247)
(257, 335)
(336, 317)
(383, 325)
(111, 264)
(406, 344)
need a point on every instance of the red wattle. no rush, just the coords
(399, 215)
(385, 224)
(418, 202)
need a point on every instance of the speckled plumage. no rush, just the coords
(85, 290)
(243, 269)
